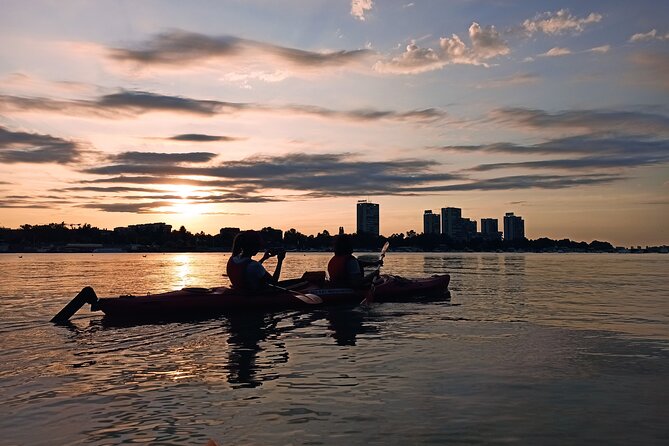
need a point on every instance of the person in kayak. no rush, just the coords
(246, 274)
(344, 268)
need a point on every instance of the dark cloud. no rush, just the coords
(180, 49)
(135, 208)
(579, 163)
(299, 171)
(161, 158)
(133, 103)
(590, 121)
(603, 153)
(198, 137)
(526, 182)
(109, 189)
(23, 147)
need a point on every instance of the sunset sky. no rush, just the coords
(253, 113)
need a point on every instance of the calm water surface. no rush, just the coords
(532, 349)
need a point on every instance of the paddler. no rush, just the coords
(344, 269)
(249, 275)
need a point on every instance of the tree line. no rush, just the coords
(58, 236)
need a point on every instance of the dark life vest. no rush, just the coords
(236, 272)
(337, 268)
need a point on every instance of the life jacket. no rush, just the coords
(236, 272)
(337, 268)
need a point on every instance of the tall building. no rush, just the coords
(452, 224)
(514, 227)
(450, 219)
(490, 229)
(367, 217)
(430, 222)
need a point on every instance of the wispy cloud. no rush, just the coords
(560, 22)
(600, 49)
(198, 137)
(649, 36)
(154, 157)
(360, 7)
(486, 43)
(128, 104)
(517, 182)
(24, 147)
(589, 121)
(556, 52)
(600, 153)
(240, 58)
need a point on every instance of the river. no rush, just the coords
(547, 349)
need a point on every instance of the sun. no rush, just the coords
(184, 201)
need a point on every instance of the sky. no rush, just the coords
(250, 113)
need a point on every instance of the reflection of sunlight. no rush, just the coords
(181, 270)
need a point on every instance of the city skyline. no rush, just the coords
(253, 114)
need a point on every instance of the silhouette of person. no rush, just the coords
(344, 268)
(246, 274)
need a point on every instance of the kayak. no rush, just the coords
(309, 291)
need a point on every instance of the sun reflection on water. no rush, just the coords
(182, 270)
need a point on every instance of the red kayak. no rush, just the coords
(309, 291)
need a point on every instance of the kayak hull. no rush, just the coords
(210, 301)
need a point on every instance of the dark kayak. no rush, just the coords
(307, 292)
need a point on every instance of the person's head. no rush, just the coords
(247, 243)
(343, 245)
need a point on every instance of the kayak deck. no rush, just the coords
(189, 302)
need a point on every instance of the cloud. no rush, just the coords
(599, 153)
(516, 79)
(527, 182)
(602, 139)
(154, 157)
(128, 104)
(560, 22)
(23, 147)
(600, 49)
(297, 174)
(486, 43)
(556, 52)
(649, 36)
(241, 58)
(590, 121)
(198, 137)
(359, 7)
(107, 189)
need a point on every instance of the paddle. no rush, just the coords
(370, 295)
(311, 299)
(384, 249)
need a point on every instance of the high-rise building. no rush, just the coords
(430, 222)
(367, 217)
(490, 229)
(468, 228)
(514, 227)
(451, 223)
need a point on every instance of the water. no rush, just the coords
(532, 349)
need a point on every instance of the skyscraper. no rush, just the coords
(451, 223)
(490, 229)
(367, 217)
(514, 227)
(430, 222)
